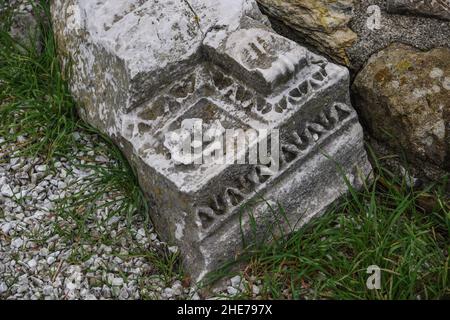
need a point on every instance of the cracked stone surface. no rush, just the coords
(143, 69)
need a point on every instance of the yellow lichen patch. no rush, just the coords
(322, 23)
(403, 66)
(383, 76)
(403, 81)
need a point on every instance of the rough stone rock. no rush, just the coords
(141, 70)
(323, 24)
(403, 95)
(350, 31)
(420, 32)
(434, 8)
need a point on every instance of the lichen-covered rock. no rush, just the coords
(321, 23)
(403, 95)
(432, 8)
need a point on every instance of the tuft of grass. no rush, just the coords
(35, 100)
(402, 231)
(38, 115)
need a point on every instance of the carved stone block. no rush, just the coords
(143, 70)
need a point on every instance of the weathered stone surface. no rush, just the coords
(403, 95)
(432, 8)
(420, 32)
(322, 24)
(143, 69)
(350, 31)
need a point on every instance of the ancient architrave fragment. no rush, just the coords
(141, 70)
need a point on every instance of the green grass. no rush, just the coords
(35, 101)
(403, 231)
(38, 117)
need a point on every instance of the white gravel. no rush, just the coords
(45, 255)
